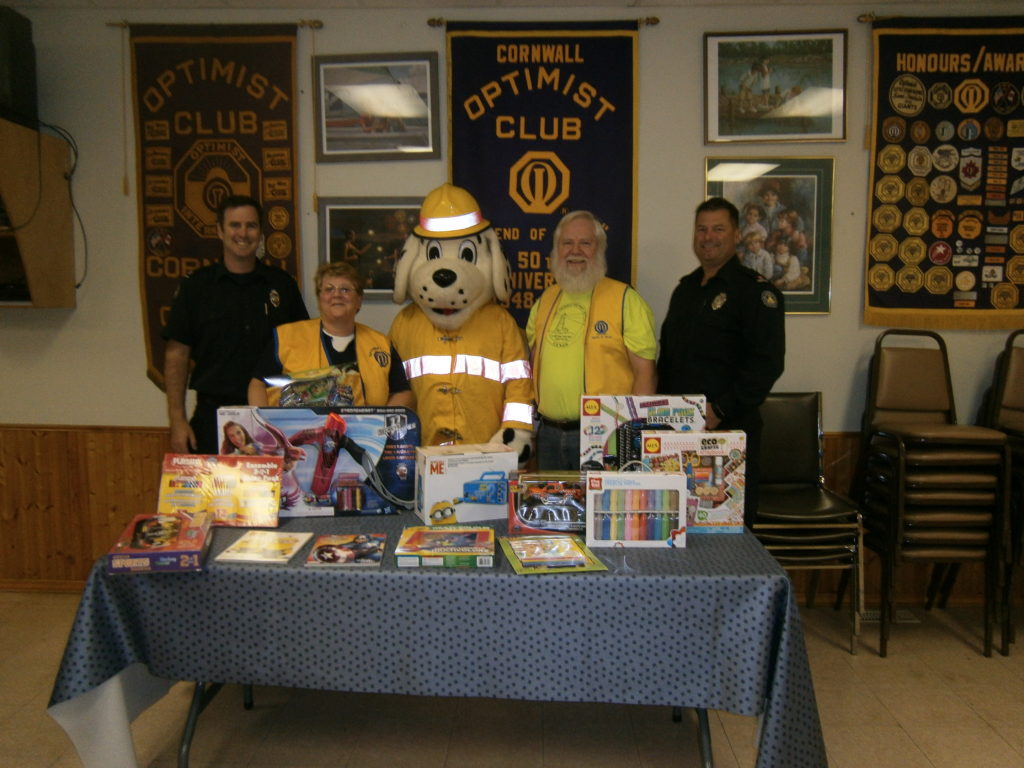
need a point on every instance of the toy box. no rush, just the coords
(236, 490)
(162, 542)
(337, 461)
(636, 509)
(715, 467)
(463, 483)
(547, 502)
(610, 425)
(454, 546)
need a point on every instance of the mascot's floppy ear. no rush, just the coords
(404, 267)
(501, 274)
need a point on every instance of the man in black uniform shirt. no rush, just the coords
(724, 335)
(221, 318)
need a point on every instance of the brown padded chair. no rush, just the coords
(800, 521)
(930, 490)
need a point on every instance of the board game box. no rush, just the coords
(636, 509)
(162, 542)
(237, 490)
(451, 546)
(610, 425)
(337, 461)
(465, 483)
(715, 468)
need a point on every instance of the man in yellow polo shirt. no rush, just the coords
(588, 334)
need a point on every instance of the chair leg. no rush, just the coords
(948, 583)
(934, 585)
(812, 587)
(844, 580)
(885, 608)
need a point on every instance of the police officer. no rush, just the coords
(724, 335)
(221, 319)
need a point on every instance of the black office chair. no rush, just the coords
(930, 490)
(800, 521)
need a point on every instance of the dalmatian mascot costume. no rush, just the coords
(465, 357)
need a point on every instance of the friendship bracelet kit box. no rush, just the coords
(337, 460)
(715, 467)
(610, 425)
(463, 483)
(636, 509)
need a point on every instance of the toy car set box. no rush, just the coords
(170, 542)
(610, 425)
(547, 502)
(337, 461)
(636, 509)
(463, 483)
(715, 468)
(236, 490)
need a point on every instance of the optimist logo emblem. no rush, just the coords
(971, 96)
(601, 327)
(539, 182)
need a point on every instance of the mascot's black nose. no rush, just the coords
(444, 277)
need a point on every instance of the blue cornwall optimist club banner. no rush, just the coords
(543, 122)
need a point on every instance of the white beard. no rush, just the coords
(579, 283)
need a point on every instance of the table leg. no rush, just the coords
(202, 696)
(705, 738)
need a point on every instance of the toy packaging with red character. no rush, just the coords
(464, 483)
(163, 542)
(636, 509)
(243, 491)
(610, 425)
(547, 502)
(715, 467)
(337, 461)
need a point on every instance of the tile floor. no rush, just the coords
(934, 702)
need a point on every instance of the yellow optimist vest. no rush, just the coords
(606, 366)
(300, 348)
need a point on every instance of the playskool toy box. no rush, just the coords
(636, 509)
(610, 425)
(715, 467)
(164, 542)
(463, 483)
(337, 460)
(239, 490)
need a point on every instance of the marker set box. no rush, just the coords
(636, 509)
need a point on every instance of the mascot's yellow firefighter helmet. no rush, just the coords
(450, 211)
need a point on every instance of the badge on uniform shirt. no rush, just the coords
(275, 298)
(769, 300)
(719, 301)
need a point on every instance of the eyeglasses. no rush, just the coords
(344, 290)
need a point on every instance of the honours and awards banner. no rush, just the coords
(214, 116)
(543, 122)
(946, 226)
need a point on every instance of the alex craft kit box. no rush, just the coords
(715, 468)
(337, 460)
(463, 483)
(636, 509)
(165, 542)
(610, 425)
(237, 490)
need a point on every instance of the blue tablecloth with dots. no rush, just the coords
(714, 625)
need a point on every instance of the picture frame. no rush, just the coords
(775, 86)
(376, 107)
(369, 233)
(791, 200)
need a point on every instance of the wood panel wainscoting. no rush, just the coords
(66, 492)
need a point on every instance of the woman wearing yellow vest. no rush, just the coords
(372, 367)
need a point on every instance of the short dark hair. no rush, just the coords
(239, 201)
(719, 204)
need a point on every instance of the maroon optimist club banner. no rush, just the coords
(543, 122)
(215, 116)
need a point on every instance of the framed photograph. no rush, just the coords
(785, 206)
(775, 87)
(376, 106)
(367, 232)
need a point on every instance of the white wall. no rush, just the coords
(87, 365)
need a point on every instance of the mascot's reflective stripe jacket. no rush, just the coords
(466, 377)
(300, 348)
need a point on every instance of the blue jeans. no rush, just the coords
(557, 448)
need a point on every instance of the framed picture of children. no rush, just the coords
(785, 206)
(775, 86)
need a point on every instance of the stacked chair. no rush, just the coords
(800, 521)
(930, 490)
(1004, 411)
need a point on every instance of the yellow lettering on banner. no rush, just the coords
(536, 281)
(539, 53)
(519, 81)
(933, 62)
(172, 266)
(543, 128)
(190, 72)
(221, 122)
(507, 233)
(1004, 62)
(528, 260)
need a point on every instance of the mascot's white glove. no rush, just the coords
(519, 439)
